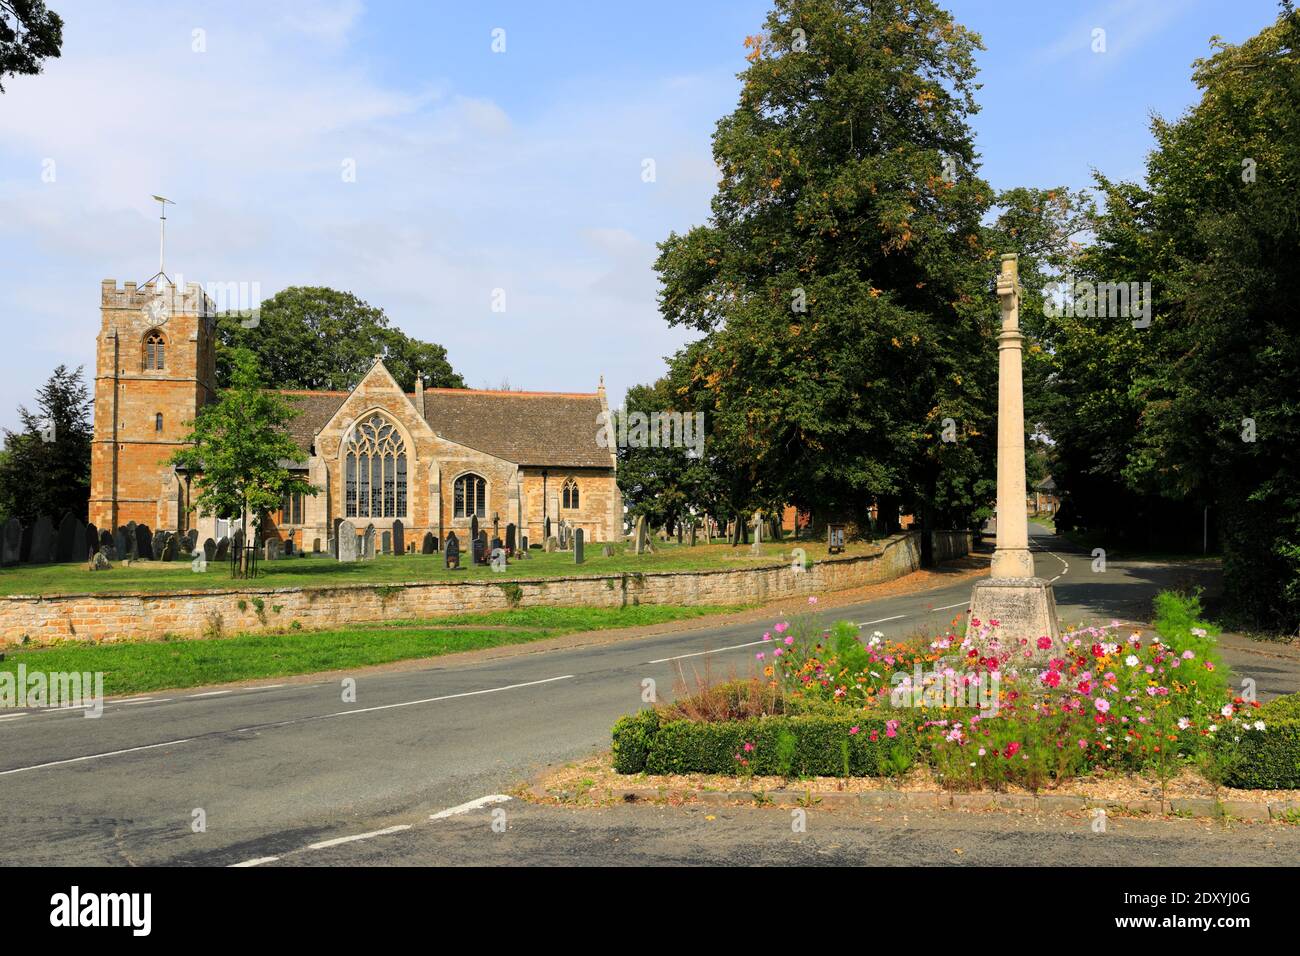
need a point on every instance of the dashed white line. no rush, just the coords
(359, 836)
(258, 862)
(211, 693)
(13, 716)
(949, 607)
(111, 753)
(716, 650)
(147, 700)
(896, 617)
(467, 807)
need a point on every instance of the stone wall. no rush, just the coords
(140, 616)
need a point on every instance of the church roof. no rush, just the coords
(553, 429)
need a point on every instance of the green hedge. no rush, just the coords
(805, 745)
(1269, 759)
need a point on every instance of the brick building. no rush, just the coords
(434, 459)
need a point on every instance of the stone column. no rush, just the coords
(1012, 559)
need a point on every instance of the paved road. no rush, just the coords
(276, 768)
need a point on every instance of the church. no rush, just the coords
(434, 459)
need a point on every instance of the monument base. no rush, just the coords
(1024, 609)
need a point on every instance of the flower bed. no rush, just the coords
(977, 713)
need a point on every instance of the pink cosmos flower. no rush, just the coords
(781, 628)
(1102, 704)
(891, 728)
(812, 600)
(759, 655)
(853, 730)
(748, 747)
(789, 639)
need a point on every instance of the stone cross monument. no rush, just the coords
(1023, 605)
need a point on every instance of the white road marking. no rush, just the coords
(130, 700)
(258, 862)
(716, 650)
(211, 693)
(269, 687)
(148, 700)
(360, 836)
(948, 607)
(111, 753)
(12, 716)
(282, 723)
(896, 617)
(467, 807)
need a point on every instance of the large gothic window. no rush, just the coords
(570, 494)
(470, 496)
(153, 351)
(374, 471)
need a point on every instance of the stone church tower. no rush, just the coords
(155, 367)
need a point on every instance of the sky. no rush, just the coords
(386, 148)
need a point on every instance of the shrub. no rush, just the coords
(632, 735)
(1268, 759)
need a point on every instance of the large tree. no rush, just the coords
(29, 33)
(239, 446)
(320, 338)
(842, 283)
(46, 467)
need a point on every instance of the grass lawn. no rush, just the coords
(316, 571)
(133, 668)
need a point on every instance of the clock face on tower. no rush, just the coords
(155, 312)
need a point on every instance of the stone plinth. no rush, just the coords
(1025, 609)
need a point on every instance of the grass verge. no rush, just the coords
(136, 667)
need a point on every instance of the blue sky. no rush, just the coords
(475, 170)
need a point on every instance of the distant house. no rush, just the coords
(1044, 500)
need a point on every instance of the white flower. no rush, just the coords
(1132, 660)
(1183, 723)
(1227, 710)
(1214, 728)
(1259, 725)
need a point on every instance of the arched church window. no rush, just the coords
(374, 471)
(470, 496)
(570, 493)
(153, 351)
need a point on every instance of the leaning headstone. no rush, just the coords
(156, 544)
(552, 545)
(222, 550)
(577, 546)
(399, 537)
(100, 562)
(607, 551)
(42, 541)
(12, 541)
(641, 544)
(143, 542)
(451, 554)
(171, 547)
(368, 543)
(428, 545)
(209, 550)
(66, 548)
(89, 540)
(345, 536)
(386, 542)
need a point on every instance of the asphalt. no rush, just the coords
(269, 770)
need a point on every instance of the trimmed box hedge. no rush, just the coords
(1269, 759)
(799, 745)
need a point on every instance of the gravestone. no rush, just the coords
(345, 537)
(25, 544)
(399, 537)
(577, 546)
(692, 534)
(156, 544)
(12, 542)
(510, 538)
(451, 556)
(237, 542)
(334, 541)
(89, 540)
(100, 562)
(368, 543)
(607, 551)
(552, 545)
(473, 534)
(106, 539)
(209, 550)
(192, 540)
(546, 531)
(523, 544)
(271, 549)
(756, 548)
(223, 549)
(429, 544)
(288, 547)
(121, 544)
(386, 542)
(171, 547)
(143, 542)
(497, 545)
(641, 545)
(132, 541)
(42, 541)
(315, 546)
(481, 548)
